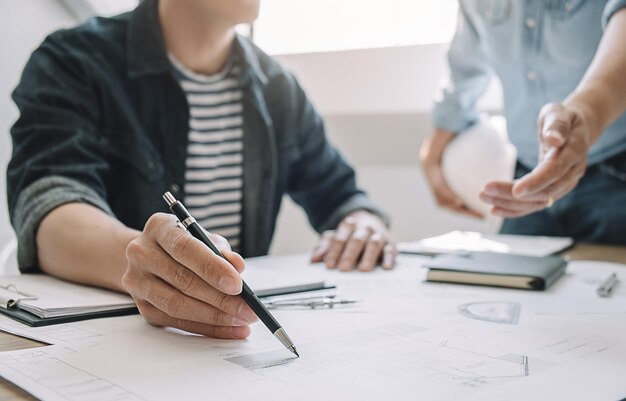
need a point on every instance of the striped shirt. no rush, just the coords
(213, 187)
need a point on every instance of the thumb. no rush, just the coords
(555, 125)
(234, 259)
(553, 139)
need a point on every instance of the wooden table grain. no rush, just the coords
(10, 392)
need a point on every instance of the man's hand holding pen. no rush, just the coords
(177, 281)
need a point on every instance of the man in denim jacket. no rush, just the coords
(117, 111)
(562, 65)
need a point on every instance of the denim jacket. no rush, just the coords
(104, 121)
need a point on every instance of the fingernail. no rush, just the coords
(349, 220)
(365, 268)
(486, 198)
(229, 285)
(519, 193)
(246, 313)
(240, 331)
(239, 322)
(345, 266)
(555, 134)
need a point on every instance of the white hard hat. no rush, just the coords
(477, 156)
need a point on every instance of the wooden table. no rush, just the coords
(10, 392)
(598, 252)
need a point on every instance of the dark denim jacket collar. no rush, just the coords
(146, 48)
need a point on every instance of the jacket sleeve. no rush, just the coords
(56, 158)
(320, 180)
(467, 79)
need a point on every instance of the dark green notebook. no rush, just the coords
(497, 269)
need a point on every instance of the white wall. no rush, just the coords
(376, 103)
(23, 25)
(374, 81)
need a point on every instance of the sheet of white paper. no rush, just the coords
(456, 241)
(405, 340)
(74, 331)
(281, 271)
(366, 357)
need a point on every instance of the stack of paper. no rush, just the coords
(468, 241)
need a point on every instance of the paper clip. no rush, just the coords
(10, 296)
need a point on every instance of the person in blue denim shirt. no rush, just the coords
(105, 120)
(562, 65)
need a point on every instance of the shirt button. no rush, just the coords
(174, 188)
(151, 165)
(531, 23)
(568, 6)
(532, 76)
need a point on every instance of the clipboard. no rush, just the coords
(53, 301)
(35, 321)
(52, 295)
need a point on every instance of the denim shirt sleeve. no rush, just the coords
(468, 78)
(320, 180)
(56, 157)
(611, 8)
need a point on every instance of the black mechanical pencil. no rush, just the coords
(247, 294)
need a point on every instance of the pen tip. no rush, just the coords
(295, 352)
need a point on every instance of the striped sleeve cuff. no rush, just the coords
(39, 199)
